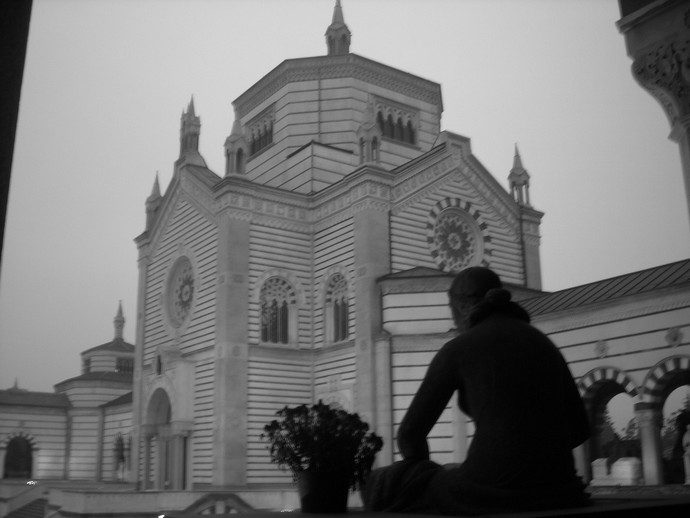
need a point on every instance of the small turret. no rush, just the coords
(235, 149)
(518, 180)
(119, 322)
(153, 203)
(190, 129)
(338, 35)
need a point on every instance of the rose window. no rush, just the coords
(180, 292)
(453, 240)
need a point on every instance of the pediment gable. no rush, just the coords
(451, 161)
(193, 186)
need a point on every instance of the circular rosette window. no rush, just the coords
(455, 240)
(180, 292)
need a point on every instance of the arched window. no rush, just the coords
(410, 132)
(337, 309)
(375, 149)
(389, 131)
(277, 301)
(399, 130)
(379, 120)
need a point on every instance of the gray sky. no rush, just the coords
(105, 83)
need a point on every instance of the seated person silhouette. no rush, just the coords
(514, 383)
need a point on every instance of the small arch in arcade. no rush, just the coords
(599, 387)
(664, 378)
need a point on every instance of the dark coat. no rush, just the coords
(528, 415)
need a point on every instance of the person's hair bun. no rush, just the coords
(497, 296)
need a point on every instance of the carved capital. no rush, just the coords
(665, 72)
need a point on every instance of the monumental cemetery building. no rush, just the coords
(315, 266)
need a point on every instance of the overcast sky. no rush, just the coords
(105, 83)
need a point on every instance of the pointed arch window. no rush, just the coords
(398, 135)
(381, 123)
(337, 309)
(278, 311)
(239, 161)
(375, 149)
(409, 132)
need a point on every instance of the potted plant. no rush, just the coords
(328, 450)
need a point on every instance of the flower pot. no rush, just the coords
(322, 492)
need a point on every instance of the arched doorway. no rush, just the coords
(165, 448)
(18, 458)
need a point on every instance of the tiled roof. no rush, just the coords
(117, 345)
(124, 399)
(100, 376)
(21, 397)
(644, 281)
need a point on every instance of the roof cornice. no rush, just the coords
(331, 67)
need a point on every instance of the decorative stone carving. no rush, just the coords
(665, 72)
(674, 336)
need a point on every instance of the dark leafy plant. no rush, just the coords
(322, 439)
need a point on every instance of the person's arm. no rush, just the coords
(427, 405)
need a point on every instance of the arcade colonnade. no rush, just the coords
(602, 383)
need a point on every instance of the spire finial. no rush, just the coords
(156, 191)
(119, 322)
(190, 107)
(517, 161)
(338, 35)
(338, 14)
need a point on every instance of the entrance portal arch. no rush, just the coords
(165, 447)
(18, 452)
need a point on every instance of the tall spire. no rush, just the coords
(518, 180)
(338, 36)
(119, 322)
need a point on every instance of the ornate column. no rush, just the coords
(231, 353)
(657, 36)
(649, 421)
